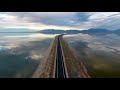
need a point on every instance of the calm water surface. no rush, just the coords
(99, 53)
(20, 53)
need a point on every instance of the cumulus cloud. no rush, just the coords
(61, 20)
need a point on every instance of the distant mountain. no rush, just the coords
(117, 30)
(95, 30)
(72, 31)
(53, 31)
(100, 31)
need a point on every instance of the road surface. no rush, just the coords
(59, 67)
(61, 62)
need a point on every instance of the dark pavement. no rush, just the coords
(60, 68)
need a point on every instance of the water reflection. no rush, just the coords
(20, 53)
(99, 53)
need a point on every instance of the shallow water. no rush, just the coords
(20, 53)
(99, 53)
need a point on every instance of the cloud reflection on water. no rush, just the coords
(23, 52)
(99, 53)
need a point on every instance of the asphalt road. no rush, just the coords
(60, 68)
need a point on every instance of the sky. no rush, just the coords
(59, 20)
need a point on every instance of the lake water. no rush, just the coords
(20, 53)
(99, 53)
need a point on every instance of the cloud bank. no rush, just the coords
(60, 20)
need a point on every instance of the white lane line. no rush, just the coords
(54, 71)
(57, 64)
(65, 68)
(62, 61)
(57, 59)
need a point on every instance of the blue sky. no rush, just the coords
(59, 20)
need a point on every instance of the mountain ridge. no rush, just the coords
(58, 31)
(92, 30)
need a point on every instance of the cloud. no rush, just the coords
(60, 20)
(107, 20)
(48, 18)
